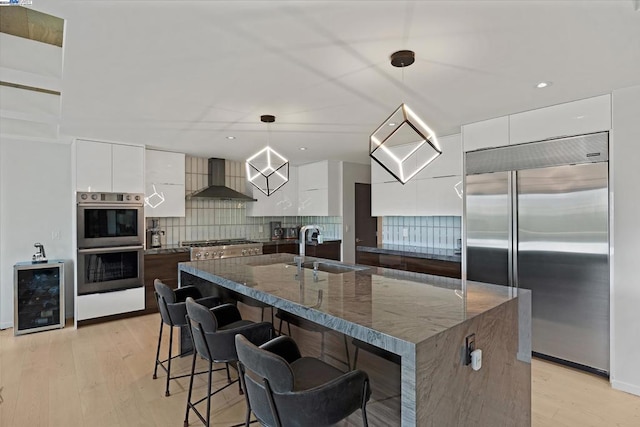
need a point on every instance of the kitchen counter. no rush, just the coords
(414, 252)
(168, 249)
(410, 316)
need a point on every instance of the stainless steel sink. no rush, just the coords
(328, 267)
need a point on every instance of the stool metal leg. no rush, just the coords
(155, 369)
(193, 370)
(166, 393)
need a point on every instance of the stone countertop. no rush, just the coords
(169, 249)
(391, 309)
(414, 251)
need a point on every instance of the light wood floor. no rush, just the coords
(100, 375)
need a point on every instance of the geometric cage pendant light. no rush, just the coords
(267, 170)
(403, 144)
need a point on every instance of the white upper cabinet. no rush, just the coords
(284, 202)
(486, 134)
(93, 166)
(320, 189)
(449, 162)
(164, 184)
(388, 196)
(573, 118)
(127, 168)
(106, 167)
(438, 196)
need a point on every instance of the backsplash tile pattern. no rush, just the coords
(225, 219)
(438, 232)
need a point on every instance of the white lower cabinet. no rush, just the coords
(438, 196)
(105, 304)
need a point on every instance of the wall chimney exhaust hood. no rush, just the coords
(216, 188)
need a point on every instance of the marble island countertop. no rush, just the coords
(410, 315)
(369, 303)
(414, 251)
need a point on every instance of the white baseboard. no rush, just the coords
(628, 388)
(6, 325)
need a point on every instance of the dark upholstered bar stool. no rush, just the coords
(213, 333)
(171, 304)
(307, 325)
(285, 389)
(391, 357)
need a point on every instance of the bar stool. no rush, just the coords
(213, 333)
(171, 305)
(285, 389)
(307, 325)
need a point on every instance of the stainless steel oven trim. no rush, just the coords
(114, 285)
(102, 242)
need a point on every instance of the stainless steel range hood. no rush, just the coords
(216, 188)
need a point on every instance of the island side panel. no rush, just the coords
(452, 394)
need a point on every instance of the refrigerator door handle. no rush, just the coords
(513, 229)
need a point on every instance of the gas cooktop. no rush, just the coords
(217, 249)
(205, 243)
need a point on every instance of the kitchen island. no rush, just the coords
(403, 313)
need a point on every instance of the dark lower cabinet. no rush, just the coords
(407, 263)
(328, 250)
(163, 267)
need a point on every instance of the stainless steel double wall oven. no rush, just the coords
(110, 242)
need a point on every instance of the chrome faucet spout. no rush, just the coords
(303, 236)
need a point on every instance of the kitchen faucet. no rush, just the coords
(303, 236)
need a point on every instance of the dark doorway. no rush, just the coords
(366, 225)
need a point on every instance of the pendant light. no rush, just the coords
(403, 144)
(267, 170)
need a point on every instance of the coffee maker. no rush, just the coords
(275, 228)
(154, 235)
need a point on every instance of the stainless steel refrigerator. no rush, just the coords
(537, 217)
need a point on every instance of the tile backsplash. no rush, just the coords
(439, 232)
(225, 219)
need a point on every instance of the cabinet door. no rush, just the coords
(168, 200)
(313, 202)
(449, 162)
(93, 166)
(438, 197)
(163, 167)
(486, 134)
(313, 176)
(393, 198)
(105, 304)
(127, 169)
(573, 118)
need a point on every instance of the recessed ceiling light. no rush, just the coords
(542, 85)
(303, 148)
(231, 137)
(392, 124)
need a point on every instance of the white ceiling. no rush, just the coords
(184, 75)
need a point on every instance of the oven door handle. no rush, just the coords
(110, 249)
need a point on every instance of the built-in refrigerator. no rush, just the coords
(537, 217)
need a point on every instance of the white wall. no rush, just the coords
(36, 205)
(625, 290)
(351, 173)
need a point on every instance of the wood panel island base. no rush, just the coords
(405, 314)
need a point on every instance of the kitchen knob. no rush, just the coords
(137, 198)
(244, 252)
(221, 253)
(206, 254)
(83, 197)
(94, 197)
(128, 197)
(198, 255)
